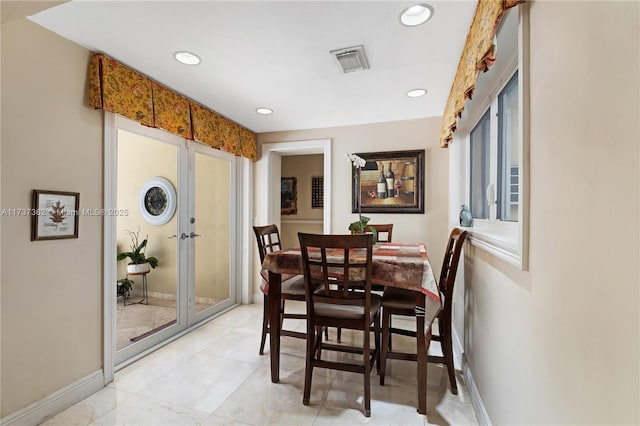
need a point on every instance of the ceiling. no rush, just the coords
(275, 54)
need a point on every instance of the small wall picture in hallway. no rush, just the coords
(389, 182)
(317, 192)
(288, 196)
(54, 215)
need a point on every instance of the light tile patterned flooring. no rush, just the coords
(135, 319)
(214, 376)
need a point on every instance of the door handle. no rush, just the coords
(193, 235)
(182, 236)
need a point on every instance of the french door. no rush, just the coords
(181, 197)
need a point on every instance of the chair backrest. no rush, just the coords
(384, 232)
(332, 264)
(268, 239)
(450, 266)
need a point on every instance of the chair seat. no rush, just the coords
(347, 311)
(399, 298)
(293, 286)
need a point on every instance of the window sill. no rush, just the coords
(503, 245)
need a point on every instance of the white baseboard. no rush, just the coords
(55, 403)
(476, 401)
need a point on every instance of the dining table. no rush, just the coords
(402, 265)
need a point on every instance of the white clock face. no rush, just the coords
(157, 201)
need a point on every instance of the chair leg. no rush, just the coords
(447, 351)
(386, 337)
(376, 329)
(308, 371)
(265, 324)
(339, 335)
(367, 372)
(319, 342)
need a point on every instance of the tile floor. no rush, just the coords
(214, 376)
(135, 319)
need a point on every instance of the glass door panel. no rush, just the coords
(150, 305)
(212, 225)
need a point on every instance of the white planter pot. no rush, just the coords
(138, 268)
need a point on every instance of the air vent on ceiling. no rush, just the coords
(351, 59)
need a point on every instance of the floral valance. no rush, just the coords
(478, 55)
(117, 88)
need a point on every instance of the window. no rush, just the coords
(494, 160)
(491, 149)
(508, 152)
(479, 168)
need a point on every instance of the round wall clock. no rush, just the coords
(157, 200)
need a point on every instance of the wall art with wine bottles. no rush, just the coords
(389, 182)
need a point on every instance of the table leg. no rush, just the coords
(422, 354)
(274, 324)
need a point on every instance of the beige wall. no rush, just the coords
(303, 168)
(51, 290)
(560, 344)
(430, 227)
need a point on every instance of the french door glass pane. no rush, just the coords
(480, 168)
(144, 311)
(212, 223)
(508, 153)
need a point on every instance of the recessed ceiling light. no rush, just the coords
(416, 93)
(186, 58)
(264, 111)
(416, 14)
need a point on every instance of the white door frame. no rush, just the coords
(244, 174)
(271, 153)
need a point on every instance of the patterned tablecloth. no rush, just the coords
(400, 265)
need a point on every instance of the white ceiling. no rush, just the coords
(276, 54)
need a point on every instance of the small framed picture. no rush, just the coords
(317, 192)
(289, 196)
(54, 215)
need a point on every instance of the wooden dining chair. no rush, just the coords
(334, 263)
(396, 301)
(383, 231)
(268, 239)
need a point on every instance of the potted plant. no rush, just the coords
(125, 285)
(140, 263)
(360, 225)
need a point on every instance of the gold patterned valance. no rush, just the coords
(478, 55)
(248, 143)
(119, 89)
(205, 126)
(115, 87)
(171, 111)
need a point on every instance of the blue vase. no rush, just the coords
(466, 219)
